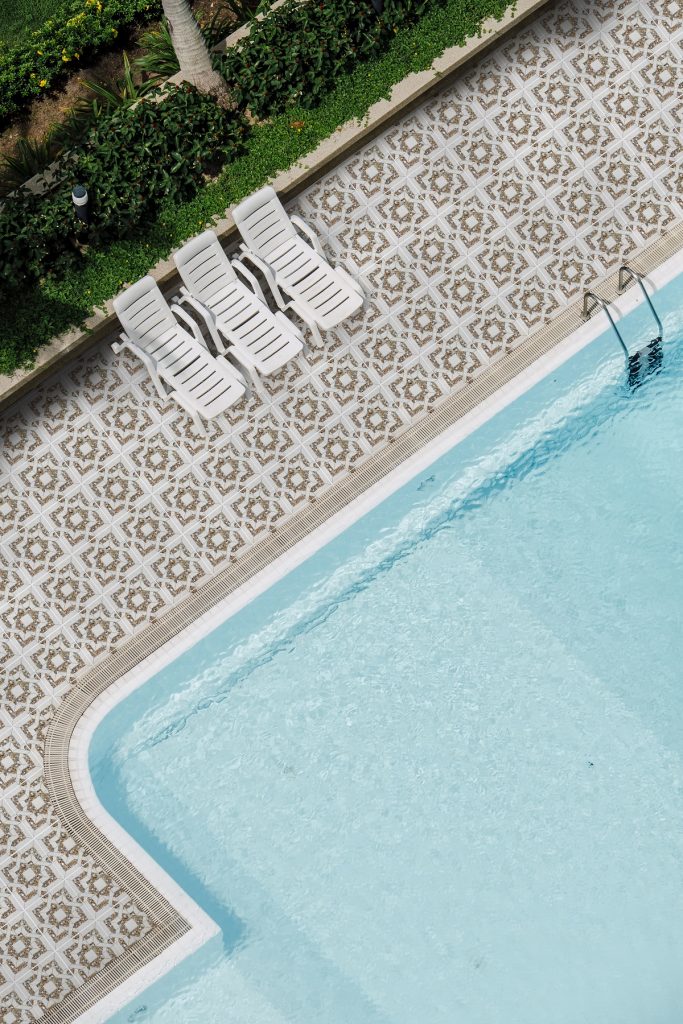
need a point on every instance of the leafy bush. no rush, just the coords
(76, 31)
(132, 163)
(34, 157)
(294, 54)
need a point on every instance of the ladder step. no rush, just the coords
(645, 363)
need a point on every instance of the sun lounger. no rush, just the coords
(203, 384)
(321, 295)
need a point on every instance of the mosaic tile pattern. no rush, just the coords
(471, 222)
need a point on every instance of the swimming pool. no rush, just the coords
(435, 773)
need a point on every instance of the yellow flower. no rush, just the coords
(77, 55)
(43, 83)
(65, 58)
(39, 52)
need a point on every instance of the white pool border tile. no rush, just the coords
(202, 927)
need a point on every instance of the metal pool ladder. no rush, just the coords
(646, 360)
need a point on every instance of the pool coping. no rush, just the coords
(180, 925)
(406, 94)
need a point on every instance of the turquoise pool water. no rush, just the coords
(435, 775)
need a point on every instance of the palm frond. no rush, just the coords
(32, 156)
(160, 61)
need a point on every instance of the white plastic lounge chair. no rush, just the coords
(203, 384)
(260, 340)
(321, 295)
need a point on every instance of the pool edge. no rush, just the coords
(179, 925)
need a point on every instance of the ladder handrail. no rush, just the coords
(626, 271)
(587, 313)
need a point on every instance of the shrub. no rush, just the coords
(76, 31)
(132, 163)
(294, 54)
(34, 157)
(159, 59)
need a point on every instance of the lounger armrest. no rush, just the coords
(290, 326)
(309, 232)
(206, 315)
(267, 272)
(146, 359)
(181, 315)
(250, 279)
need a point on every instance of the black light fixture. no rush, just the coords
(79, 196)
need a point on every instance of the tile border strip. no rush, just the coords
(170, 925)
(342, 143)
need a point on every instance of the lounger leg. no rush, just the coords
(247, 374)
(311, 324)
(199, 423)
(315, 331)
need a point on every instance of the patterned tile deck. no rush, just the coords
(472, 222)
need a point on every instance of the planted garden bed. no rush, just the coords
(27, 132)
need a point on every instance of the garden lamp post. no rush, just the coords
(79, 196)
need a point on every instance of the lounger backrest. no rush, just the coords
(263, 222)
(144, 313)
(204, 267)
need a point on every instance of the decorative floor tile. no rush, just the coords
(471, 223)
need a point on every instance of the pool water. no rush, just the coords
(436, 774)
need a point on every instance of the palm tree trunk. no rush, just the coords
(191, 49)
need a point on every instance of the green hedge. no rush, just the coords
(76, 31)
(293, 55)
(57, 304)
